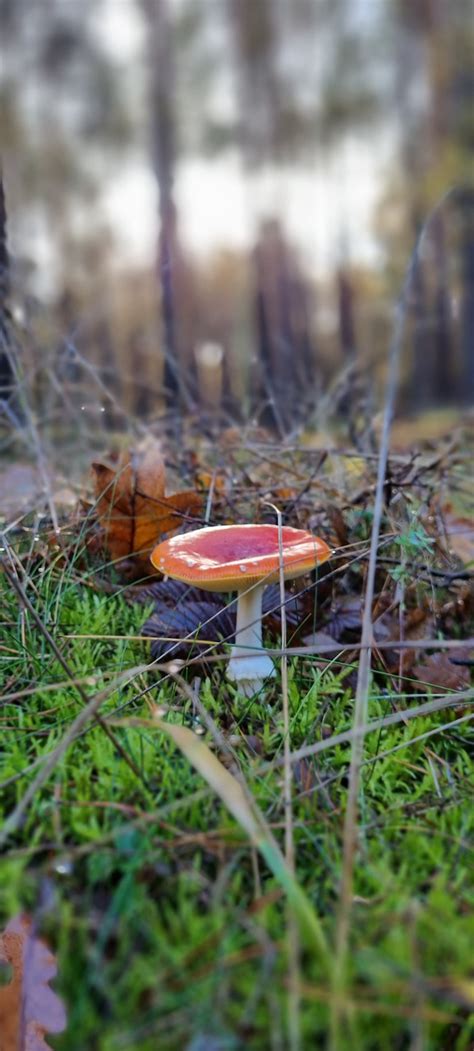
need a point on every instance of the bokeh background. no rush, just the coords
(208, 207)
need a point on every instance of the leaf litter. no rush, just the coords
(328, 492)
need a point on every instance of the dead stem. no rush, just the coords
(294, 948)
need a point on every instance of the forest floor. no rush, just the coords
(146, 803)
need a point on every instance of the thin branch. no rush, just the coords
(294, 951)
(429, 708)
(289, 651)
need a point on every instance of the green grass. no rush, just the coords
(169, 932)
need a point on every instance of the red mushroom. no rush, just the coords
(242, 558)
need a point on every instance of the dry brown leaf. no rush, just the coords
(205, 479)
(29, 1008)
(460, 535)
(133, 507)
(417, 624)
(439, 671)
(285, 494)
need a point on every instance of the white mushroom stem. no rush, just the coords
(249, 665)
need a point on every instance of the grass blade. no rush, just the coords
(249, 817)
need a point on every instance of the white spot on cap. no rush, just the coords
(243, 569)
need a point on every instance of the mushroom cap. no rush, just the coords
(236, 557)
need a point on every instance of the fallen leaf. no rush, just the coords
(283, 495)
(204, 621)
(133, 508)
(29, 1008)
(460, 535)
(459, 607)
(183, 612)
(205, 479)
(346, 615)
(168, 592)
(417, 624)
(320, 638)
(439, 671)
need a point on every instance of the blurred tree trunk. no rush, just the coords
(420, 383)
(411, 58)
(6, 372)
(467, 300)
(283, 326)
(347, 336)
(113, 378)
(347, 333)
(443, 335)
(177, 357)
(434, 24)
(425, 24)
(253, 22)
(267, 377)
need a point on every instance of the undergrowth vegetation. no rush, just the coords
(169, 929)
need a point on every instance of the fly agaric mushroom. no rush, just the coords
(242, 558)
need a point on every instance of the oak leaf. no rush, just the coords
(133, 508)
(29, 1008)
